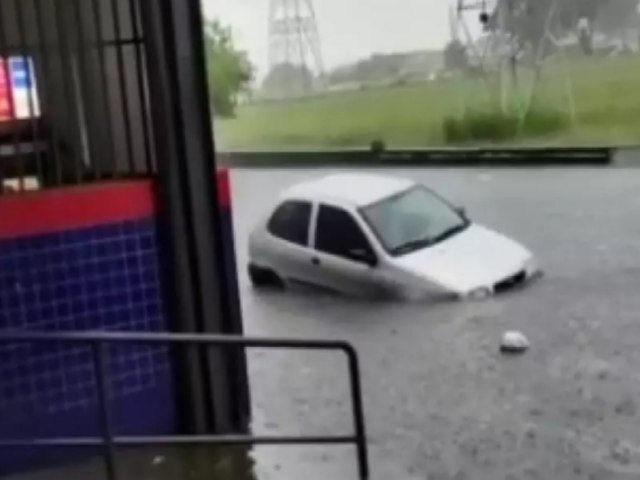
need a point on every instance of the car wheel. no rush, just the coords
(264, 277)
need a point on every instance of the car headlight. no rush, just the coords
(479, 293)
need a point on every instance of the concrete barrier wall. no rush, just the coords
(393, 158)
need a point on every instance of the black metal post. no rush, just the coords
(104, 407)
(5, 50)
(358, 412)
(26, 54)
(86, 104)
(176, 248)
(111, 165)
(202, 200)
(186, 167)
(122, 84)
(69, 99)
(140, 82)
(44, 69)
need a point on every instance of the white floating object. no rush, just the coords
(514, 342)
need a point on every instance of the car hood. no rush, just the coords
(476, 257)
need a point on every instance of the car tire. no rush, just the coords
(264, 277)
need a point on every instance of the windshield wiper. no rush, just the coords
(428, 241)
(412, 246)
(450, 232)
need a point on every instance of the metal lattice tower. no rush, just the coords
(294, 45)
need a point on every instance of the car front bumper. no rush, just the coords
(528, 272)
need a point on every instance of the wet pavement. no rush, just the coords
(441, 402)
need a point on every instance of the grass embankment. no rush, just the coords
(606, 97)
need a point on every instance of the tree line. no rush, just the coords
(229, 72)
(527, 19)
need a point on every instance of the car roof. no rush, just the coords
(354, 189)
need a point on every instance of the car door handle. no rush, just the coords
(315, 261)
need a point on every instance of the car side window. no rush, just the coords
(290, 222)
(337, 233)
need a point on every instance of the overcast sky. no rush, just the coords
(349, 29)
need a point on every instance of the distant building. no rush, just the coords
(388, 69)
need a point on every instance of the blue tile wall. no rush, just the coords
(100, 278)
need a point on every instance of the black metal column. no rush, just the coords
(188, 196)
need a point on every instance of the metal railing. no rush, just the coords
(109, 441)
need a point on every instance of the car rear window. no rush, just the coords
(290, 222)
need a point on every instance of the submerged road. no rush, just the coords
(441, 403)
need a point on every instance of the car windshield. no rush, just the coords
(414, 219)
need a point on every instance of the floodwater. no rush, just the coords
(158, 463)
(440, 401)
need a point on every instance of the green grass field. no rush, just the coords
(606, 95)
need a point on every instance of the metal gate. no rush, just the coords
(74, 94)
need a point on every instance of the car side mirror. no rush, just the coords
(364, 256)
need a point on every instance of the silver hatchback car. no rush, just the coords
(372, 235)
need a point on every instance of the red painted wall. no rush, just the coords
(48, 211)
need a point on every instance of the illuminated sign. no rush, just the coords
(6, 103)
(18, 90)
